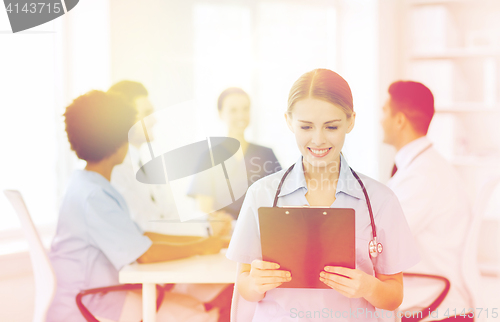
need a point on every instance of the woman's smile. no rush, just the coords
(319, 153)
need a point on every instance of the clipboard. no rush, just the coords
(303, 240)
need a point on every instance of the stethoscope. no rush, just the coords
(374, 248)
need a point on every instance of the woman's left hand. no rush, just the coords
(352, 283)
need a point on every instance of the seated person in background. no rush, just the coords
(234, 109)
(150, 203)
(146, 202)
(429, 190)
(95, 236)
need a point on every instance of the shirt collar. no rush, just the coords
(407, 153)
(347, 182)
(295, 179)
(93, 176)
(96, 178)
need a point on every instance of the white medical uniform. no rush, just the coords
(437, 211)
(151, 205)
(399, 253)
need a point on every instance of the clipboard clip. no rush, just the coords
(303, 206)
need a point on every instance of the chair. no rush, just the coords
(241, 309)
(419, 313)
(45, 278)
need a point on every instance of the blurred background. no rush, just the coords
(189, 51)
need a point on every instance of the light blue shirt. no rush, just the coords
(400, 252)
(95, 238)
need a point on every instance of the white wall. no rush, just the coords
(268, 45)
(358, 63)
(43, 70)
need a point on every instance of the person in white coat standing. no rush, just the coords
(431, 194)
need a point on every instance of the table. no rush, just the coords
(197, 269)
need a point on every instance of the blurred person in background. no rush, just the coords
(95, 235)
(149, 204)
(233, 106)
(429, 189)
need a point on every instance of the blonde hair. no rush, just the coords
(325, 85)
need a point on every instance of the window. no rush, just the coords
(28, 133)
(42, 70)
(262, 48)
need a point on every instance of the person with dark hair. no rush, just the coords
(430, 191)
(320, 114)
(415, 102)
(95, 235)
(233, 106)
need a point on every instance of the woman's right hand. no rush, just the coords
(265, 276)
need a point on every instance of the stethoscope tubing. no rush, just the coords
(374, 247)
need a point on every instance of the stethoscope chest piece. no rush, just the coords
(375, 248)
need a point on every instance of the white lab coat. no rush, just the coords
(150, 205)
(437, 210)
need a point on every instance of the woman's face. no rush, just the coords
(320, 128)
(235, 112)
